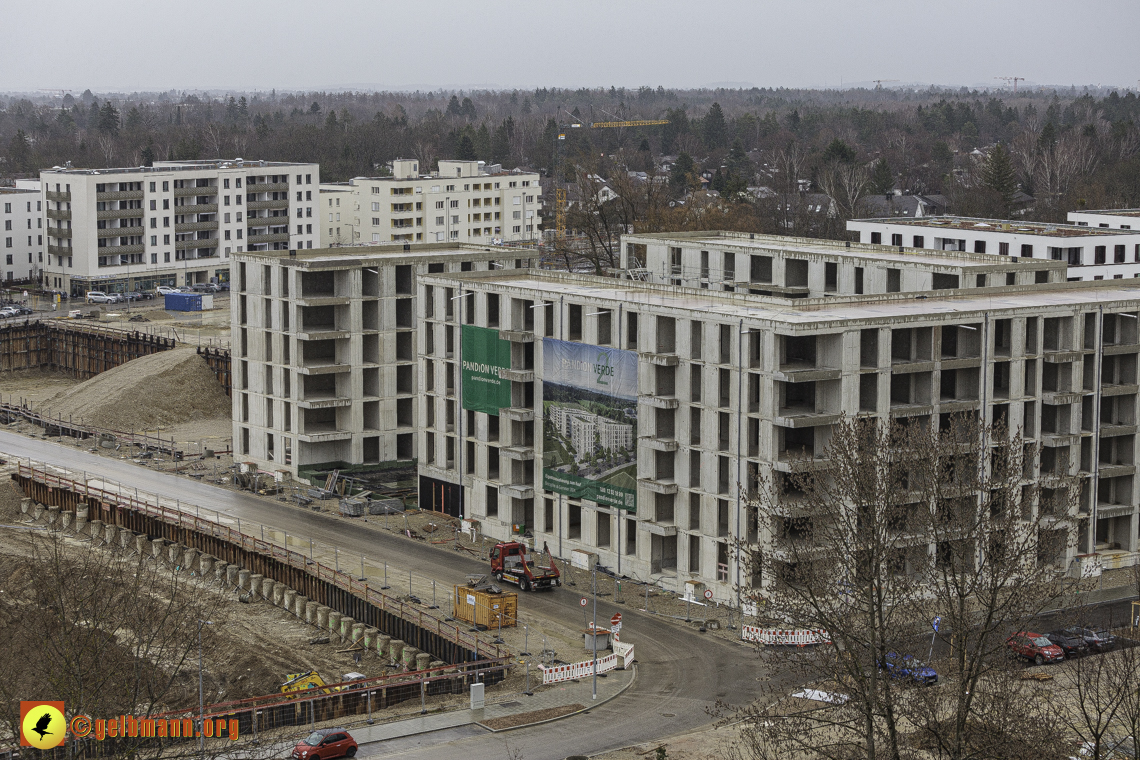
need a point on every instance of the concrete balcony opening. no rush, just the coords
(371, 382)
(961, 341)
(405, 412)
(961, 384)
(911, 345)
(1001, 373)
(665, 381)
(910, 389)
(1118, 370)
(1058, 334)
(315, 388)
(1055, 460)
(405, 316)
(405, 346)
(370, 413)
(318, 284)
(321, 354)
(323, 319)
(1117, 451)
(1119, 329)
(663, 508)
(1056, 420)
(317, 421)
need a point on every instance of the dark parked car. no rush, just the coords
(1072, 646)
(325, 743)
(1098, 641)
(1034, 647)
(910, 668)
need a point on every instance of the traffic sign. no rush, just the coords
(582, 602)
(936, 622)
(616, 619)
(708, 593)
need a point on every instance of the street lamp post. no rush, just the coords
(201, 695)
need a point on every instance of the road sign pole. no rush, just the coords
(595, 632)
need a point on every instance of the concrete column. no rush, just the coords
(322, 617)
(220, 571)
(243, 578)
(395, 651)
(206, 565)
(423, 661)
(437, 666)
(346, 627)
(126, 539)
(81, 514)
(357, 632)
(190, 560)
(383, 641)
(311, 608)
(65, 519)
(334, 622)
(174, 554)
(408, 660)
(288, 598)
(26, 505)
(95, 529)
(267, 587)
(110, 533)
(38, 511)
(299, 605)
(279, 590)
(370, 637)
(142, 545)
(157, 547)
(232, 572)
(53, 515)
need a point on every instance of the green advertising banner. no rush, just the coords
(485, 355)
(589, 420)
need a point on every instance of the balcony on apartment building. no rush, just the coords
(808, 358)
(319, 425)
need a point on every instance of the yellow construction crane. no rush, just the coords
(560, 192)
(639, 123)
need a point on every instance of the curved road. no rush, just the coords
(681, 674)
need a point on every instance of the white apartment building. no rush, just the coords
(174, 223)
(1091, 253)
(325, 347)
(21, 213)
(730, 385)
(775, 265)
(462, 202)
(1120, 219)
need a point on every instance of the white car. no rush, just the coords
(164, 290)
(98, 296)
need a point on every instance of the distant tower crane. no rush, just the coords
(879, 82)
(1015, 80)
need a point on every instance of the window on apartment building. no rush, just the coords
(154, 258)
(979, 246)
(1027, 250)
(1003, 249)
(896, 240)
(876, 238)
(308, 179)
(1118, 254)
(1099, 253)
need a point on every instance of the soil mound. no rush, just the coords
(166, 388)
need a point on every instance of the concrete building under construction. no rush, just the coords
(720, 381)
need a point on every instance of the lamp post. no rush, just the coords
(201, 695)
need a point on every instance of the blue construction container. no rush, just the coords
(183, 301)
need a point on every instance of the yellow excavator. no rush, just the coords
(312, 680)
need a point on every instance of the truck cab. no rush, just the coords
(512, 563)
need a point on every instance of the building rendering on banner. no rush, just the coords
(174, 223)
(462, 202)
(1092, 253)
(325, 347)
(719, 384)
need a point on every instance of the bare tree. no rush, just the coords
(891, 525)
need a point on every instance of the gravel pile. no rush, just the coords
(167, 388)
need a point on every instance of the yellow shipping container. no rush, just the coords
(485, 609)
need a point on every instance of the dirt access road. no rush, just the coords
(682, 674)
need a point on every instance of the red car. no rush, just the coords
(325, 743)
(1035, 647)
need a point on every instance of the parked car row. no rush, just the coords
(1058, 645)
(14, 311)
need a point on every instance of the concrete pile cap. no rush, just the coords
(243, 578)
(25, 505)
(232, 574)
(142, 545)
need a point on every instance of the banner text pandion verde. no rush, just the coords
(127, 726)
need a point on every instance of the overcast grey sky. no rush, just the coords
(129, 45)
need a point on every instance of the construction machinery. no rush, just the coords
(1015, 80)
(511, 563)
(559, 191)
(295, 682)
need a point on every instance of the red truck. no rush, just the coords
(511, 563)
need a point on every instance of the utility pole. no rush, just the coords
(201, 696)
(595, 631)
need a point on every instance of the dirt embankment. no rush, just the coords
(163, 389)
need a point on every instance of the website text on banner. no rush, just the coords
(589, 421)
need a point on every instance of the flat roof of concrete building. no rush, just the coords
(175, 166)
(759, 244)
(808, 312)
(971, 224)
(1130, 212)
(360, 255)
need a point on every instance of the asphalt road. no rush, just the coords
(681, 676)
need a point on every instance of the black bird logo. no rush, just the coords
(42, 724)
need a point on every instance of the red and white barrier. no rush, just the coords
(788, 637)
(557, 673)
